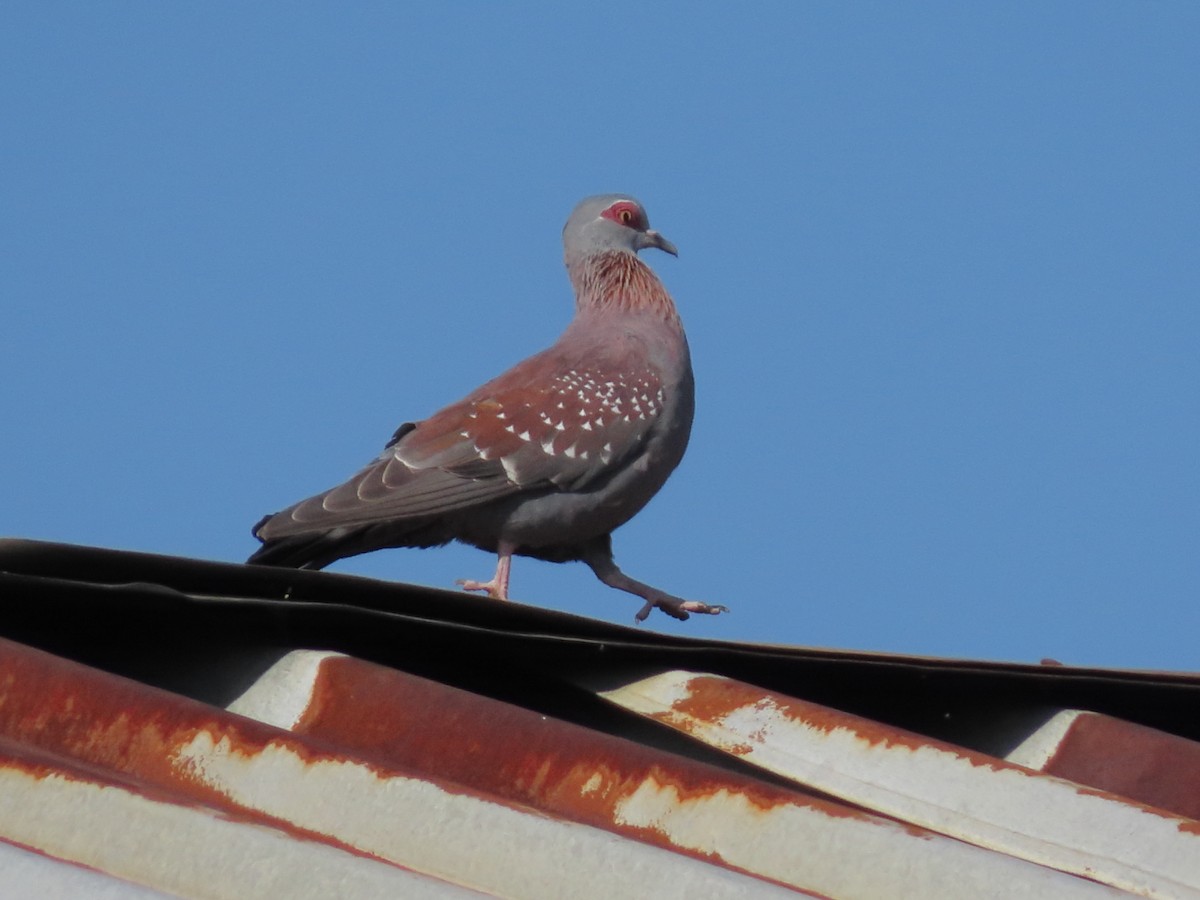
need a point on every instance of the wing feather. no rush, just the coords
(543, 425)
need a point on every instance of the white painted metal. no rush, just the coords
(1035, 751)
(941, 787)
(184, 850)
(281, 695)
(452, 834)
(25, 875)
(805, 846)
(847, 857)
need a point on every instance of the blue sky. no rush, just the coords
(938, 264)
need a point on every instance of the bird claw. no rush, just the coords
(679, 609)
(491, 588)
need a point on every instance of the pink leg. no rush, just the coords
(498, 586)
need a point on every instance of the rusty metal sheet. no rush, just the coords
(968, 795)
(137, 755)
(201, 626)
(1121, 757)
(729, 819)
(142, 834)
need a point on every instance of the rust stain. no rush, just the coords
(402, 720)
(1187, 826)
(1190, 826)
(35, 766)
(712, 699)
(63, 707)
(38, 765)
(1144, 764)
(1097, 747)
(114, 730)
(391, 723)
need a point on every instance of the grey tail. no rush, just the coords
(303, 551)
(315, 550)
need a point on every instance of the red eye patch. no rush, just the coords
(628, 214)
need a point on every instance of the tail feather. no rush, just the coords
(317, 549)
(301, 551)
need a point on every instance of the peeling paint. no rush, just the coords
(788, 837)
(985, 801)
(1107, 754)
(162, 748)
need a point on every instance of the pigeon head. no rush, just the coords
(609, 222)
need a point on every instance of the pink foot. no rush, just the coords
(492, 588)
(497, 588)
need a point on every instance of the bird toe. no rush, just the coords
(679, 609)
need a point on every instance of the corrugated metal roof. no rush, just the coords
(185, 728)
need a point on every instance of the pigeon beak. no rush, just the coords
(651, 238)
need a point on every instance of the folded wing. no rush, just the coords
(539, 427)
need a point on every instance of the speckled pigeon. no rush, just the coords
(548, 458)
